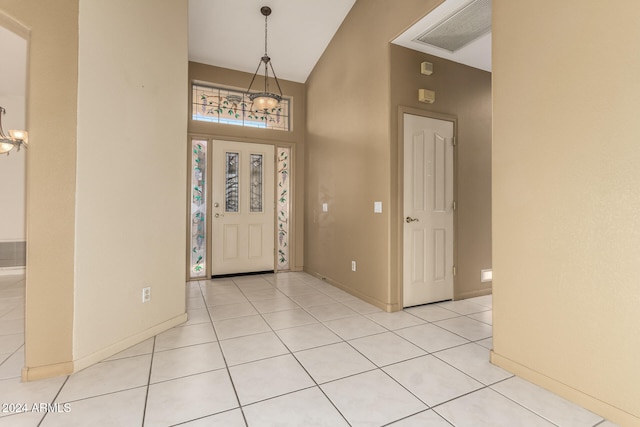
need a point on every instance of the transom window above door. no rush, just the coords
(233, 107)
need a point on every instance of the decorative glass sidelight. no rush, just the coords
(256, 177)
(232, 183)
(233, 107)
(283, 195)
(198, 208)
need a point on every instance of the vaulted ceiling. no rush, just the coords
(230, 34)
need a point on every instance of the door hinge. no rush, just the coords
(455, 271)
(454, 206)
(454, 141)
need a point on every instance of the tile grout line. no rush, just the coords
(480, 339)
(412, 415)
(407, 390)
(518, 403)
(10, 355)
(489, 387)
(434, 355)
(299, 363)
(380, 368)
(146, 396)
(81, 399)
(181, 423)
(463, 372)
(364, 315)
(246, 288)
(394, 331)
(435, 407)
(377, 367)
(224, 359)
(54, 399)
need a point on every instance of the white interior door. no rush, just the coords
(242, 208)
(428, 210)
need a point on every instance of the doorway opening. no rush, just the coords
(13, 99)
(240, 197)
(429, 209)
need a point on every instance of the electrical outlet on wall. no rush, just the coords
(146, 294)
(353, 266)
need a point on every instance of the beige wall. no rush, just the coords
(350, 160)
(113, 122)
(566, 223)
(464, 93)
(295, 139)
(130, 215)
(51, 170)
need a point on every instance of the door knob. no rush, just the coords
(409, 219)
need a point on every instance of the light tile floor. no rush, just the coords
(287, 350)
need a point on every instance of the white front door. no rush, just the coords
(242, 208)
(428, 210)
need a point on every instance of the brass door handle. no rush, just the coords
(217, 215)
(409, 219)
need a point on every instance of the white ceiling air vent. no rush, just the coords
(460, 28)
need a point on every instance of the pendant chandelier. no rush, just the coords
(16, 138)
(265, 100)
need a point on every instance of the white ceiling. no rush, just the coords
(476, 54)
(14, 54)
(230, 34)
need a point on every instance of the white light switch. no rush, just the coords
(377, 207)
(325, 207)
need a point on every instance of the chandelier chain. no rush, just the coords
(266, 99)
(266, 56)
(265, 35)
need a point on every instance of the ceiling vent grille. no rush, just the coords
(461, 28)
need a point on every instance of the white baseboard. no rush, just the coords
(591, 403)
(67, 368)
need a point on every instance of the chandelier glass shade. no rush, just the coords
(15, 139)
(265, 100)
